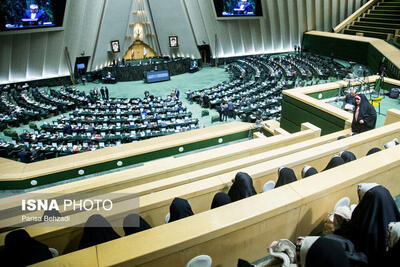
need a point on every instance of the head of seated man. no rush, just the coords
(350, 97)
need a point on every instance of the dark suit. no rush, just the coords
(24, 157)
(40, 16)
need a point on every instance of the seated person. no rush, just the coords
(97, 230)
(67, 129)
(36, 14)
(360, 72)
(311, 251)
(179, 209)
(134, 223)
(243, 7)
(308, 171)
(367, 228)
(350, 100)
(108, 78)
(334, 162)
(347, 156)
(220, 199)
(23, 250)
(285, 176)
(373, 150)
(24, 156)
(242, 187)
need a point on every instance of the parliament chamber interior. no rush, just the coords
(199, 133)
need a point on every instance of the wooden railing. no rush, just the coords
(245, 228)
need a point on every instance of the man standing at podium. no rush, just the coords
(35, 14)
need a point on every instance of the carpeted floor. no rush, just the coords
(386, 104)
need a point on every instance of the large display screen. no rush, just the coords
(157, 76)
(238, 8)
(28, 14)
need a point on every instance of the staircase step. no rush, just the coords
(391, 3)
(380, 20)
(383, 16)
(378, 35)
(388, 7)
(385, 12)
(377, 24)
(372, 29)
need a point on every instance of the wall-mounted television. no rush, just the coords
(16, 15)
(238, 8)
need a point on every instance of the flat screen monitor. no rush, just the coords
(80, 66)
(157, 76)
(18, 15)
(238, 8)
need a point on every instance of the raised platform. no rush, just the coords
(136, 72)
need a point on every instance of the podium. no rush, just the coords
(30, 22)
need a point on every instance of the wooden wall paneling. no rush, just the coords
(5, 56)
(19, 56)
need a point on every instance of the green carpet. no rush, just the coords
(386, 104)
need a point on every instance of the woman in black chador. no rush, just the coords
(134, 223)
(325, 252)
(242, 187)
(22, 250)
(308, 171)
(364, 115)
(369, 221)
(334, 162)
(347, 156)
(97, 230)
(179, 209)
(286, 176)
(220, 199)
